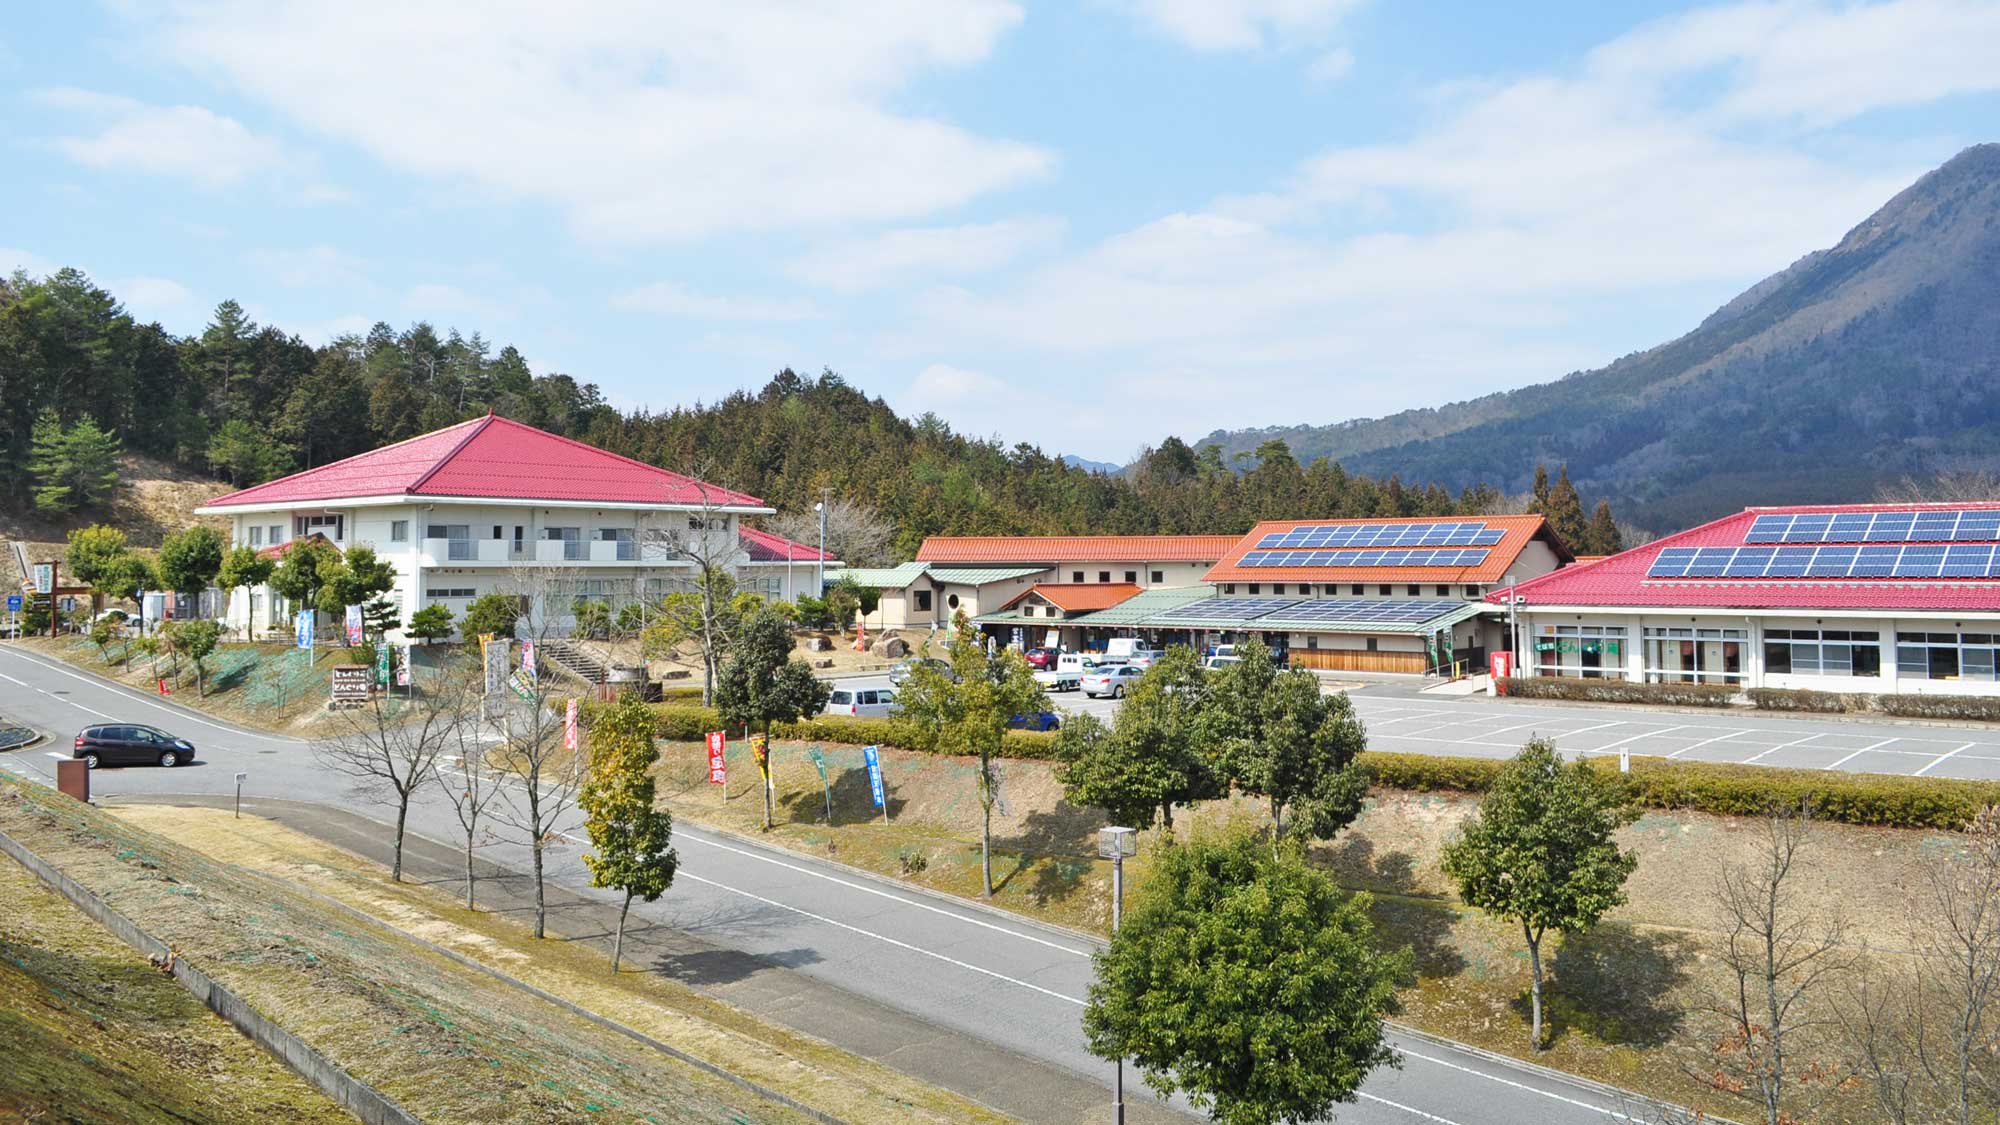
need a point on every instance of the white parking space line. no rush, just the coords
(1783, 745)
(1858, 753)
(1706, 741)
(1940, 759)
(1637, 737)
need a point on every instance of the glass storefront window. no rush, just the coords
(1591, 652)
(1822, 652)
(1695, 656)
(1947, 656)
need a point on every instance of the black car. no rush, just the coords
(129, 744)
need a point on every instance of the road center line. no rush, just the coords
(880, 893)
(1611, 1113)
(1857, 754)
(886, 940)
(1939, 760)
(117, 688)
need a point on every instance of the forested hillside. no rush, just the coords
(81, 380)
(1862, 365)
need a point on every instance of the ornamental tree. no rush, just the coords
(1540, 852)
(631, 839)
(244, 567)
(1154, 756)
(1247, 981)
(303, 572)
(190, 559)
(1290, 743)
(198, 640)
(432, 623)
(94, 554)
(761, 684)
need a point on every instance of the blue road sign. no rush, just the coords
(874, 774)
(13, 603)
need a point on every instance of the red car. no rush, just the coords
(1041, 659)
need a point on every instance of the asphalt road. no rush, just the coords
(1005, 995)
(1400, 717)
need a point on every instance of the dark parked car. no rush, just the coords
(129, 744)
(1041, 659)
(1036, 720)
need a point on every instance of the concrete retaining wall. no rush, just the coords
(363, 1100)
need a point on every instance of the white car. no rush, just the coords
(862, 703)
(1217, 663)
(1111, 680)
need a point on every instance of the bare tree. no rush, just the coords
(1949, 486)
(472, 783)
(1768, 1040)
(1927, 1038)
(706, 540)
(549, 774)
(391, 745)
(855, 534)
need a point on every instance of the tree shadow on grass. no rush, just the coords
(726, 966)
(853, 800)
(1356, 862)
(1425, 928)
(1616, 985)
(1051, 844)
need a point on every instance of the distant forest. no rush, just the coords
(247, 403)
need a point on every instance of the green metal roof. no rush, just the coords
(979, 575)
(1279, 622)
(880, 578)
(1135, 609)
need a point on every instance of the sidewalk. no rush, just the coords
(1025, 1088)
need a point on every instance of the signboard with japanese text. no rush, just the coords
(874, 761)
(302, 628)
(403, 667)
(382, 659)
(494, 652)
(760, 749)
(718, 763)
(528, 659)
(45, 578)
(351, 683)
(569, 724)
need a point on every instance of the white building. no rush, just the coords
(495, 506)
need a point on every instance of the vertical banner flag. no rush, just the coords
(875, 778)
(493, 653)
(354, 625)
(302, 628)
(403, 667)
(569, 724)
(528, 659)
(760, 748)
(718, 765)
(819, 763)
(382, 661)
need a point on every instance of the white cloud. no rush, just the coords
(1331, 66)
(668, 298)
(859, 264)
(964, 398)
(12, 258)
(152, 298)
(1224, 25)
(643, 121)
(182, 141)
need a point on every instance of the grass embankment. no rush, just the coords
(1617, 997)
(272, 686)
(446, 1042)
(92, 1032)
(795, 1064)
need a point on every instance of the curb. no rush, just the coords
(1616, 1094)
(369, 1104)
(1740, 711)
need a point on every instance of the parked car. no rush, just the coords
(902, 671)
(1222, 650)
(1215, 663)
(129, 744)
(1144, 657)
(1036, 720)
(1111, 680)
(1041, 659)
(861, 703)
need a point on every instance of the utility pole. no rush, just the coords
(825, 501)
(55, 580)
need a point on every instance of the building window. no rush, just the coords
(1104, 576)
(923, 600)
(1413, 589)
(951, 601)
(571, 539)
(1076, 576)
(1475, 591)
(1159, 577)
(277, 534)
(1444, 591)
(399, 531)
(1947, 656)
(1277, 587)
(1132, 576)
(329, 526)
(1372, 644)
(257, 536)
(1591, 652)
(1305, 589)
(1822, 652)
(457, 540)
(1229, 587)
(1383, 589)
(1312, 640)
(1256, 588)
(450, 592)
(627, 549)
(1355, 588)
(1695, 656)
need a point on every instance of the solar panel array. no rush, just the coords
(1944, 526)
(1936, 560)
(1446, 533)
(1293, 610)
(1448, 556)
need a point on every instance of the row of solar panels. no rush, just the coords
(1312, 609)
(1450, 556)
(1950, 526)
(1932, 561)
(1447, 534)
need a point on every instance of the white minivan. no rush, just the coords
(862, 703)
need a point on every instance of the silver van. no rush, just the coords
(862, 703)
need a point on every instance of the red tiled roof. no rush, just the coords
(764, 546)
(1518, 531)
(1073, 548)
(490, 458)
(1620, 580)
(1071, 597)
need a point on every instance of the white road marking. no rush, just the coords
(1706, 741)
(885, 939)
(1635, 738)
(1781, 746)
(880, 893)
(1939, 760)
(1521, 1086)
(1365, 1096)
(1857, 754)
(54, 696)
(107, 685)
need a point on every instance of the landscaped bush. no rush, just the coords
(681, 694)
(849, 729)
(1800, 699)
(1619, 691)
(1421, 773)
(1941, 706)
(683, 723)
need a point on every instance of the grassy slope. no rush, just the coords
(1617, 996)
(94, 1033)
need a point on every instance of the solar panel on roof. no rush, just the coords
(1671, 562)
(1226, 609)
(1908, 526)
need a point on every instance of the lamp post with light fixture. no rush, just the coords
(1115, 844)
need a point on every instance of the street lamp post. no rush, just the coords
(820, 573)
(1115, 844)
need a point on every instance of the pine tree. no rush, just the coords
(225, 357)
(1565, 511)
(1602, 536)
(1540, 505)
(74, 467)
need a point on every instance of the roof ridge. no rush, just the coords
(633, 461)
(478, 428)
(344, 460)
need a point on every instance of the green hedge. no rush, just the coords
(1940, 706)
(680, 693)
(680, 723)
(1725, 789)
(1619, 691)
(1801, 699)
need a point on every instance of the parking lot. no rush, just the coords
(1400, 719)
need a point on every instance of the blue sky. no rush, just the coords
(1085, 225)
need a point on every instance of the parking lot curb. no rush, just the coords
(1738, 711)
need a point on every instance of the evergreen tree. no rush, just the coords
(1602, 536)
(631, 839)
(246, 454)
(761, 684)
(225, 358)
(1289, 743)
(74, 467)
(1565, 512)
(1540, 491)
(191, 559)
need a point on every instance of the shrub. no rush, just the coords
(852, 730)
(1826, 702)
(1620, 691)
(1919, 706)
(680, 694)
(1422, 773)
(682, 723)
(679, 722)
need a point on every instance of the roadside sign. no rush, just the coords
(493, 654)
(819, 763)
(354, 625)
(45, 578)
(302, 628)
(718, 764)
(528, 659)
(403, 668)
(569, 724)
(870, 754)
(13, 603)
(382, 659)
(760, 749)
(350, 683)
